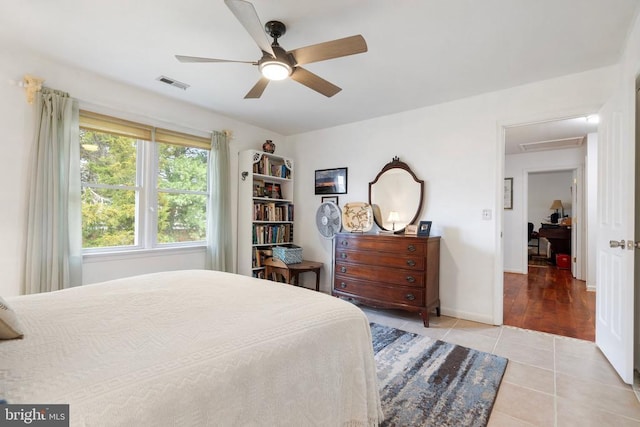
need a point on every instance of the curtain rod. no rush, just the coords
(31, 85)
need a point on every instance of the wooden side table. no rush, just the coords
(290, 272)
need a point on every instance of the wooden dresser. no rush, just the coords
(389, 271)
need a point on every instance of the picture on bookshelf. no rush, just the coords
(273, 190)
(258, 188)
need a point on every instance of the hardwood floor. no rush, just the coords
(549, 299)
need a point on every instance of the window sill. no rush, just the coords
(141, 253)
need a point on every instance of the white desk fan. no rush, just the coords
(328, 219)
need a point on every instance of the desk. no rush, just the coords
(559, 237)
(290, 272)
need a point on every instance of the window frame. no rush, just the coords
(146, 185)
(153, 205)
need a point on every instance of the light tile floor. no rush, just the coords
(550, 380)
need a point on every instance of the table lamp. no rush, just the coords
(393, 218)
(556, 205)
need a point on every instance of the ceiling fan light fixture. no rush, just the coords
(275, 70)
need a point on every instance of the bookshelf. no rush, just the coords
(265, 208)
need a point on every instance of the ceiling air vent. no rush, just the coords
(553, 144)
(173, 82)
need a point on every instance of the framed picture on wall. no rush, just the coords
(333, 199)
(331, 181)
(508, 193)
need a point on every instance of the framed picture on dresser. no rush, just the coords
(424, 228)
(411, 229)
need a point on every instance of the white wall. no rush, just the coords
(457, 148)
(519, 166)
(99, 94)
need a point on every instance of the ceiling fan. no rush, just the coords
(277, 63)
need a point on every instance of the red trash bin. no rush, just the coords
(563, 261)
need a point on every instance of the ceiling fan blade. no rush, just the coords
(183, 58)
(257, 89)
(312, 81)
(329, 50)
(246, 14)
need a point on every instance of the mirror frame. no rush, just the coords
(397, 164)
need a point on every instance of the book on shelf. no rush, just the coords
(272, 211)
(272, 234)
(272, 167)
(280, 171)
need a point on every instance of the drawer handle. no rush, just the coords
(411, 279)
(343, 255)
(411, 263)
(411, 248)
(343, 269)
(410, 297)
(344, 243)
(343, 285)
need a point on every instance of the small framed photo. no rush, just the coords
(508, 193)
(424, 228)
(258, 188)
(333, 199)
(411, 229)
(273, 190)
(331, 181)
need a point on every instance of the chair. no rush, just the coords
(276, 270)
(533, 235)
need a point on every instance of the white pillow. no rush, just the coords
(9, 326)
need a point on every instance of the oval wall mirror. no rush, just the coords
(396, 196)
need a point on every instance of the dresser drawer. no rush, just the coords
(409, 262)
(394, 245)
(387, 294)
(380, 274)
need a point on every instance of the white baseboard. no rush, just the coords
(473, 317)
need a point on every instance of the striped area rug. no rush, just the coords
(427, 382)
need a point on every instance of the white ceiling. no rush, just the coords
(550, 135)
(421, 52)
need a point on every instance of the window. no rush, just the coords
(181, 193)
(108, 166)
(142, 187)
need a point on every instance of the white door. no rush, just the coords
(614, 259)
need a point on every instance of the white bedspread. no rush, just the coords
(193, 348)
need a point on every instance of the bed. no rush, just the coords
(193, 348)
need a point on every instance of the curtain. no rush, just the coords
(53, 258)
(219, 250)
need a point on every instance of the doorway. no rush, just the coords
(554, 208)
(534, 154)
